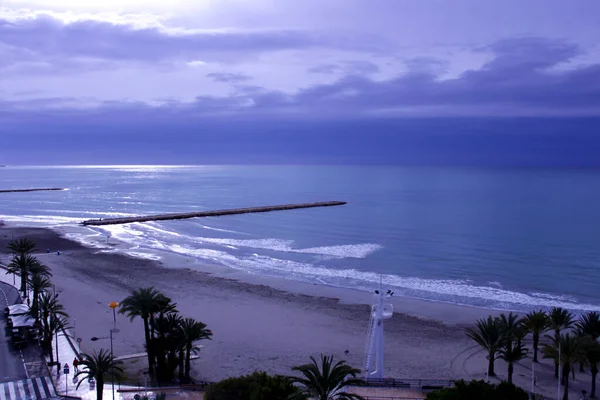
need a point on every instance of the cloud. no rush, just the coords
(362, 67)
(44, 36)
(520, 79)
(229, 77)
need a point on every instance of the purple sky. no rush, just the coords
(296, 59)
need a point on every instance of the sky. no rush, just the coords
(300, 81)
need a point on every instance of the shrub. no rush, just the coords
(256, 386)
(477, 390)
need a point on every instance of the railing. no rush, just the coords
(139, 385)
(423, 384)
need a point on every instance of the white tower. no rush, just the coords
(380, 310)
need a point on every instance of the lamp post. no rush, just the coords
(111, 356)
(114, 305)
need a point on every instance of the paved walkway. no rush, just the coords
(63, 384)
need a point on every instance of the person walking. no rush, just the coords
(76, 364)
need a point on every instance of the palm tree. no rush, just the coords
(327, 381)
(98, 365)
(38, 268)
(589, 324)
(536, 323)
(21, 266)
(166, 344)
(512, 352)
(488, 334)
(591, 352)
(570, 353)
(38, 284)
(22, 248)
(52, 316)
(192, 331)
(559, 319)
(142, 303)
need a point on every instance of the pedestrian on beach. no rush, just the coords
(76, 364)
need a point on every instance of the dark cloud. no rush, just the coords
(520, 80)
(228, 77)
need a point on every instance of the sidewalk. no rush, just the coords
(65, 384)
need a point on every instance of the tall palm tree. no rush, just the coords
(22, 248)
(589, 324)
(512, 352)
(21, 266)
(52, 316)
(570, 353)
(591, 352)
(558, 320)
(164, 305)
(143, 303)
(536, 323)
(38, 268)
(327, 381)
(192, 331)
(488, 334)
(38, 284)
(98, 366)
(166, 344)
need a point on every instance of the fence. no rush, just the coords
(423, 384)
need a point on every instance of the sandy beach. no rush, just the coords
(259, 323)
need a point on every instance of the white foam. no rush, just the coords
(48, 220)
(210, 228)
(439, 289)
(340, 251)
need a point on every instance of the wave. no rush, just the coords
(144, 238)
(48, 220)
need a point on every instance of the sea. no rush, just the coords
(509, 239)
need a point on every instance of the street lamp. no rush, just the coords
(111, 356)
(114, 305)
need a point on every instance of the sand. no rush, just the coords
(259, 323)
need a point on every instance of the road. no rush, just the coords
(16, 364)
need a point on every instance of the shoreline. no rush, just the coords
(255, 325)
(262, 323)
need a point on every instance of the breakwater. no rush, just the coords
(30, 190)
(215, 213)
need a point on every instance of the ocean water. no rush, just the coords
(498, 238)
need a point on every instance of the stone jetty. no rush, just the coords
(30, 190)
(216, 213)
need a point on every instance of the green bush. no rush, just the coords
(256, 386)
(477, 390)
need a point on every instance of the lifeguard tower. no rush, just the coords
(380, 310)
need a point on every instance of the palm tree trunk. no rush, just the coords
(188, 355)
(181, 365)
(47, 345)
(99, 388)
(148, 348)
(536, 341)
(510, 372)
(593, 391)
(491, 365)
(24, 280)
(566, 370)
